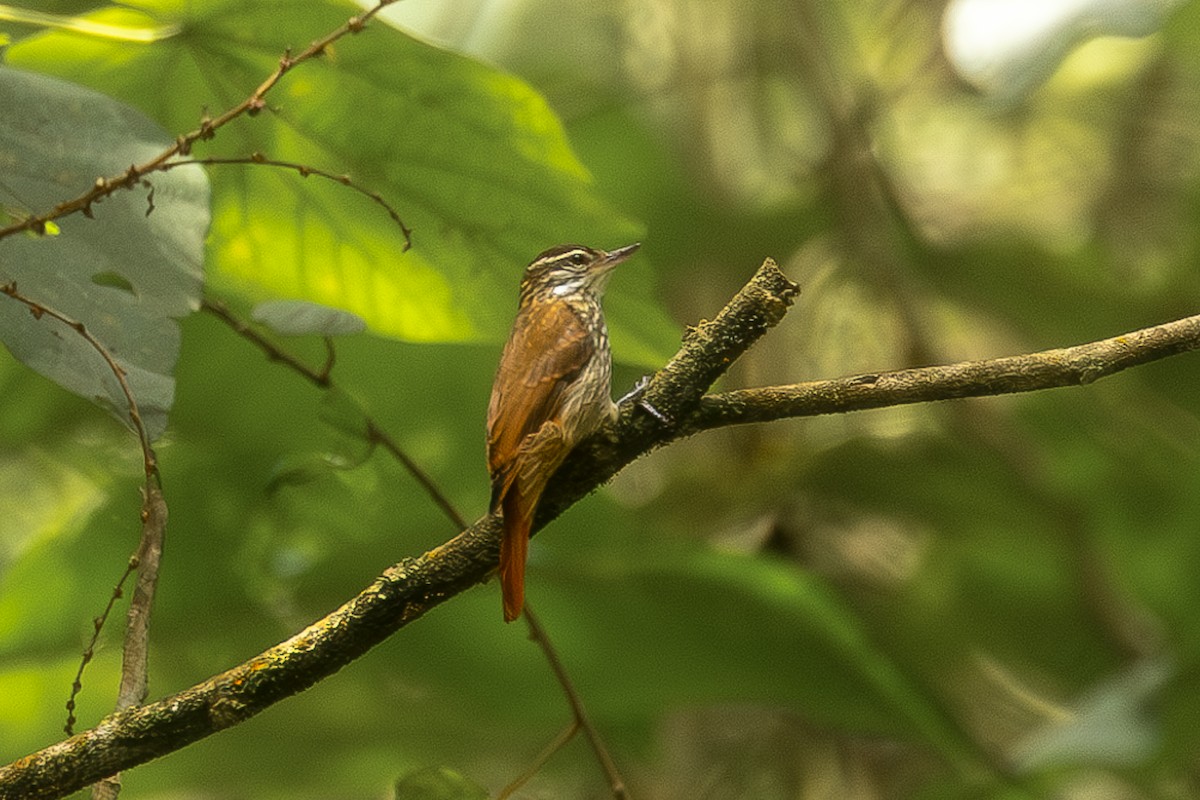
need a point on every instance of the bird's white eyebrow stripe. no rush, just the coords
(563, 256)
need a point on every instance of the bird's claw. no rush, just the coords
(636, 391)
(635, 395)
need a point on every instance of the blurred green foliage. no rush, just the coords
(896, 603)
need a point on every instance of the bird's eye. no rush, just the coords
(578, 259)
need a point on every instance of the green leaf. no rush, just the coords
(473, 160)
(438, 783)
(127, 274)
(301, 318)
(344, 413)
(298, 469)
(767, 632)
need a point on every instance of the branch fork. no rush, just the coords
(413, 586)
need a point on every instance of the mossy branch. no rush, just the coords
(1049, 369)
(405, 591)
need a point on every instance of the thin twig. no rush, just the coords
(135, 654)
(407, 590)
(322, 378)
(538, 633)
(135, 651)
(331, 359)
(134, 174)
(319, 378)
(403, 593)
(304, 170)
(89, 650)
(149, 461)
(377, 435)
(558, 743)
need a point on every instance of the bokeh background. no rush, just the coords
(986, 598)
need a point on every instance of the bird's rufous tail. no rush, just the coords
(514, 549)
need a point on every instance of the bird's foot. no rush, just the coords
(634, 395)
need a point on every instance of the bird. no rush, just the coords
(552, 390)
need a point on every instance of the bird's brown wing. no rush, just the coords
(546, 350)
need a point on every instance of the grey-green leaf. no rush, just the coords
(127, 274)
(301, 318)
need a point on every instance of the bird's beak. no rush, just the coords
(614, 257)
